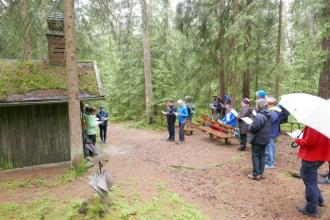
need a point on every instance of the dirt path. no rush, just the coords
(204, 172)
(209, 174)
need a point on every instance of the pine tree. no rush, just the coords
(73, 83)
(147, 62)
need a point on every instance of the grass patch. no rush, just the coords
(74, 172)
(44, 208)
(71, 175)
(17, 183)
(164, 205)
(125, 204)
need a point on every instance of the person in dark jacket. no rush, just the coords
(216, 107)
(243, 127)
(271, 147)
(190, 107)
(171, 118)
(103, 117)
(261, 130)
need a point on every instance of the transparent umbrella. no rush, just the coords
(310, 110)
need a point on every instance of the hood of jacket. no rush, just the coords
(266, 112)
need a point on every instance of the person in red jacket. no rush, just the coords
(314, 151)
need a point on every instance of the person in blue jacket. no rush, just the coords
(230, 118)
(182, 115)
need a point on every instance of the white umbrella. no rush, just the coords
(310, 110)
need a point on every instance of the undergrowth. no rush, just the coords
(159, 124)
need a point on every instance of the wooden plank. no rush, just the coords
(214, 132)
(6, 154)
(33, 135)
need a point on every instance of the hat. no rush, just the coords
(261, 93)
(227, 98)
(246, 101)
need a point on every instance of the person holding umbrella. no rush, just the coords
(314, 151)
(314, 145)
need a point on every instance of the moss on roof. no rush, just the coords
(18, 78)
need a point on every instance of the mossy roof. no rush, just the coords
(38, 81)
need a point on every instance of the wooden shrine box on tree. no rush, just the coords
(34, 127)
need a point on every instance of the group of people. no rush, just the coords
(184, 113)
(91, 120)
(262, 133)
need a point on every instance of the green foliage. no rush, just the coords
(185, 48)
(160, 124)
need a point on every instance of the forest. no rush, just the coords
(197, 48)
(67, 67)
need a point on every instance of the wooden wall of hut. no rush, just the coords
(33, 134)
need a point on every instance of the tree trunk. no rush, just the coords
(221, 56)
(278, 51)
(24, 4)
(246, 74)
(73, 83)
(257, 64)
(324, 82)
(147, 62)
(234, 86)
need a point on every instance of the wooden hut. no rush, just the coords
(34, 126)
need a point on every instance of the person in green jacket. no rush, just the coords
(91, 123)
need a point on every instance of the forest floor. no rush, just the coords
(203, 177)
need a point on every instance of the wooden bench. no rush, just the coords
(214, 128)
